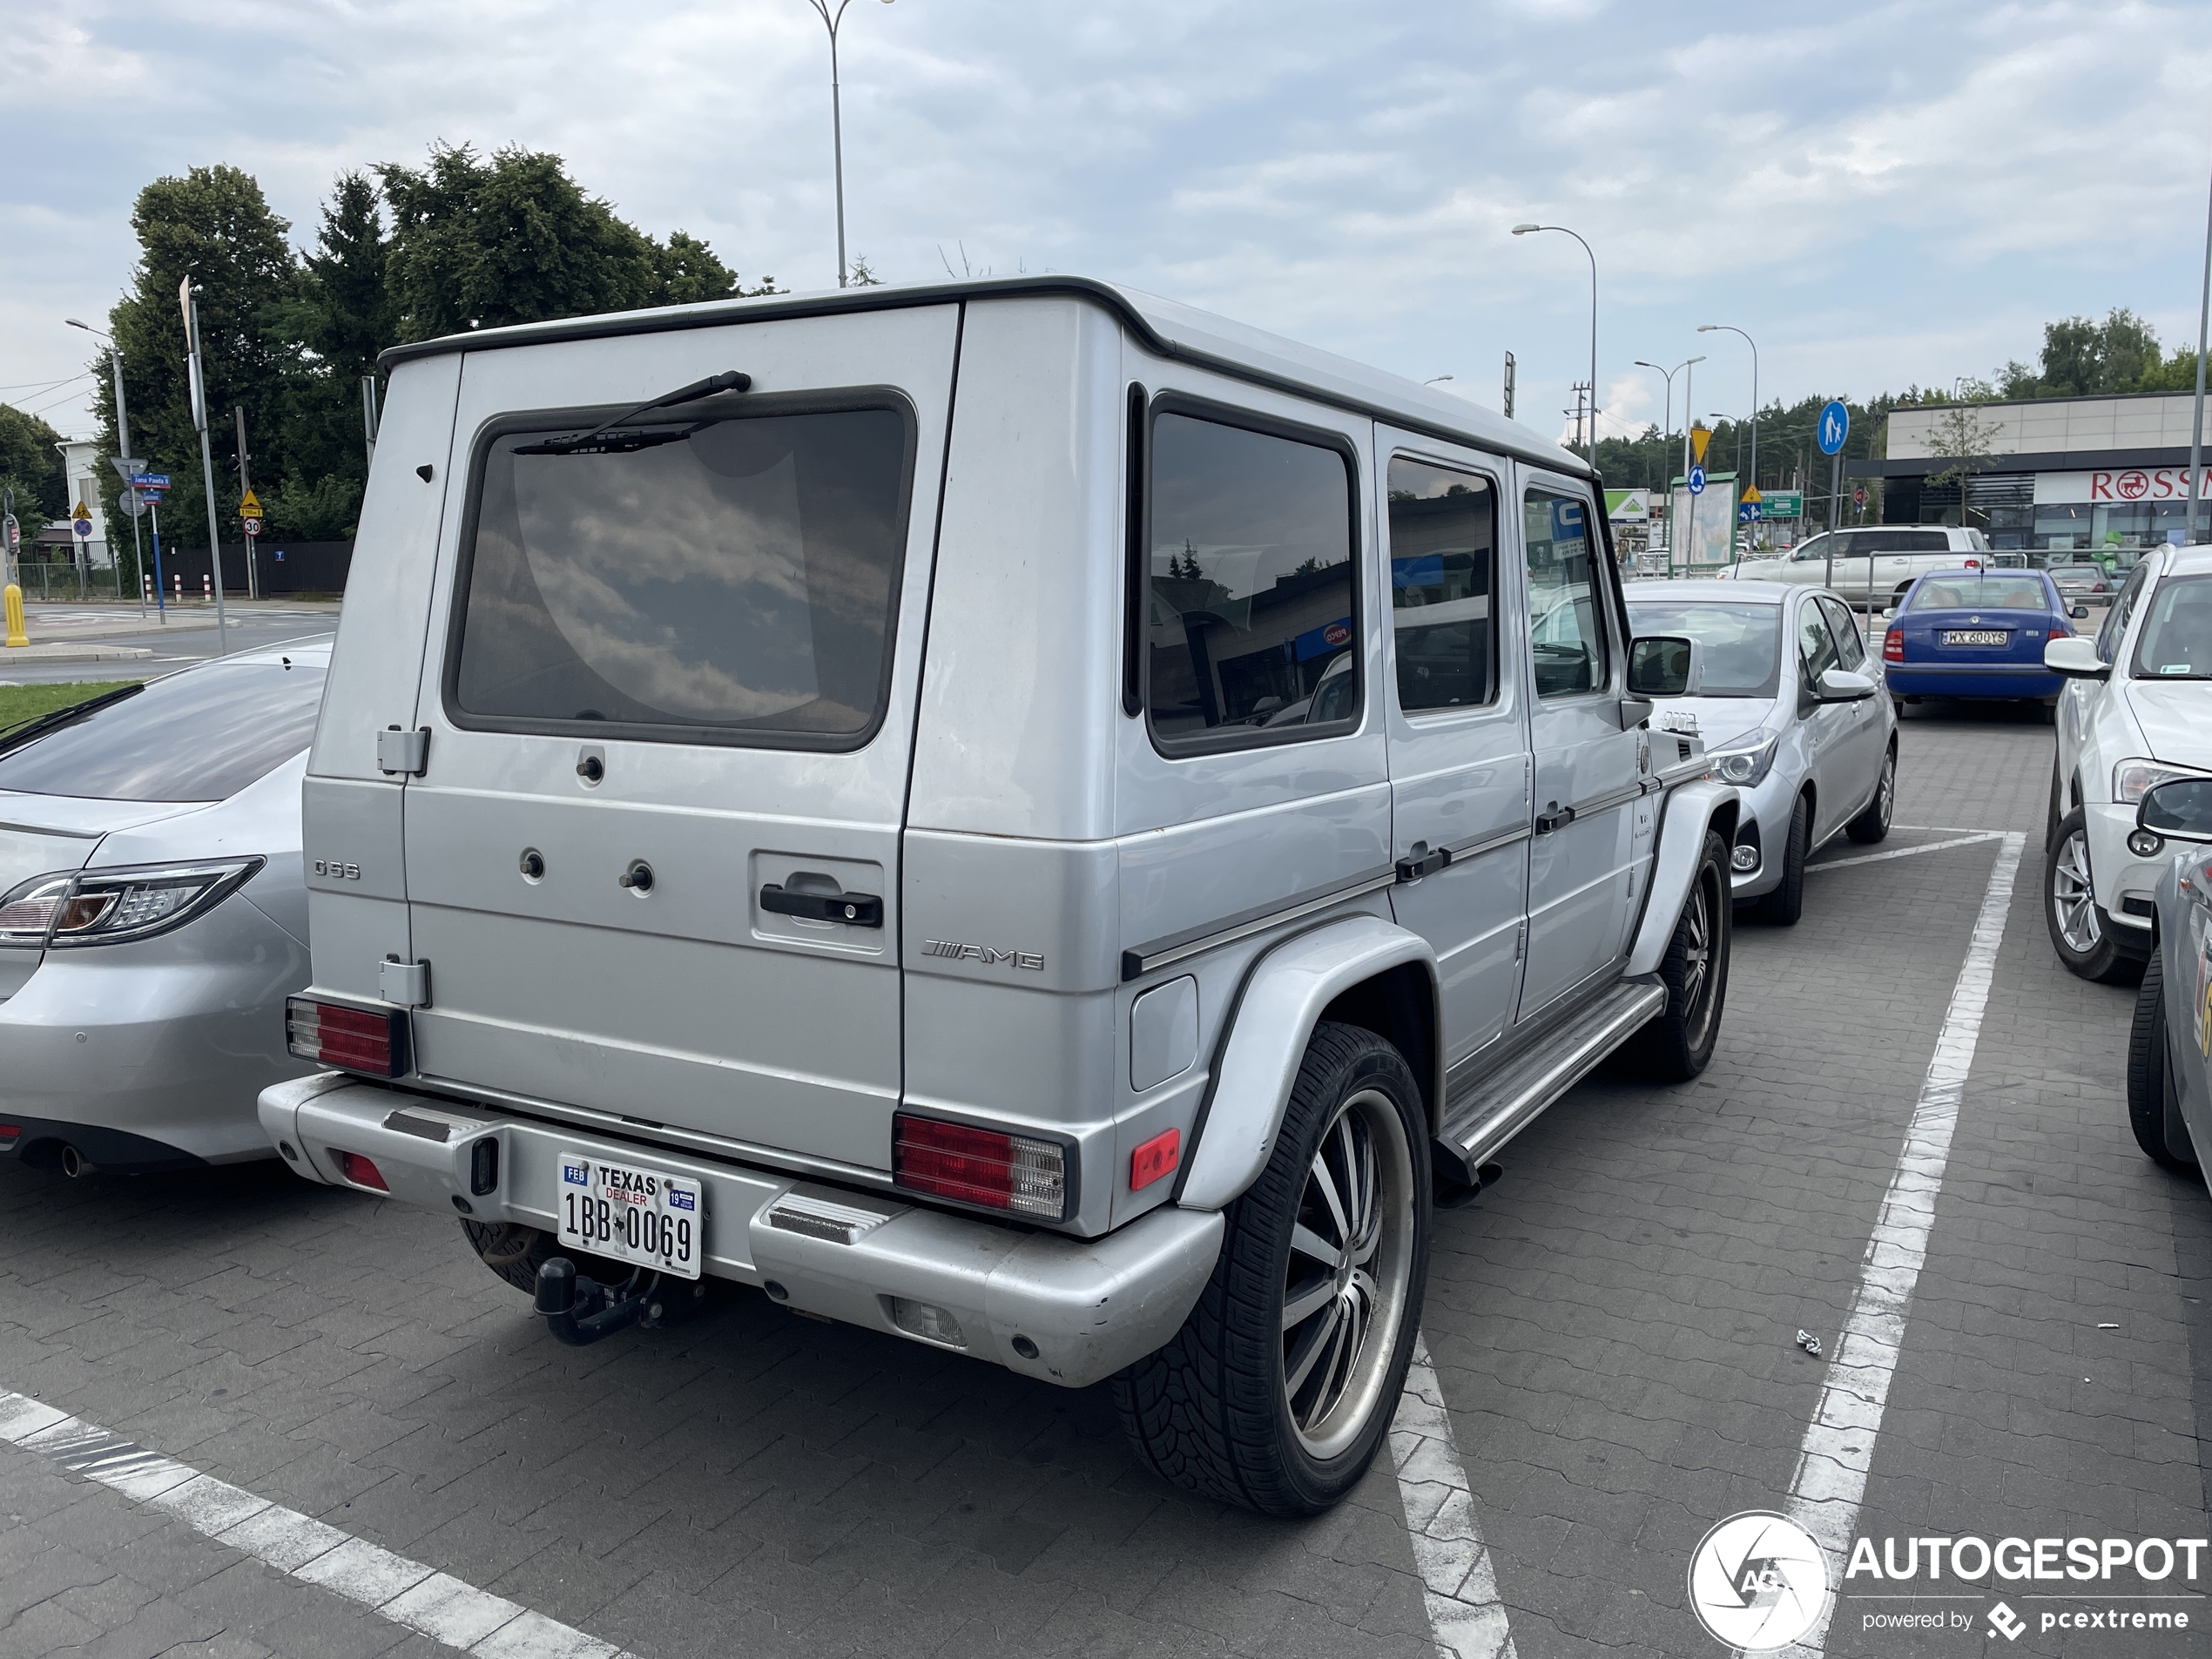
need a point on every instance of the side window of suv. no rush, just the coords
(1443, 586)
(1816, 550)
(1250, 622)
(1565, 604)
(2115, 623)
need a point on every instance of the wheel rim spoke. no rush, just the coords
(1306, 1242)
(1325, 1183)
(1307, 1303)
(1309, 1349)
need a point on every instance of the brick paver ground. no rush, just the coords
(1612, 1328)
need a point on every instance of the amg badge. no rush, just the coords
(982, 953)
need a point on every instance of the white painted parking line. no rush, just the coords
(1837, 1450)
(1465, 1613)
(407, 1593)
(1974, 840)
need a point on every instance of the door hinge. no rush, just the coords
(405, 983)
(404, 752)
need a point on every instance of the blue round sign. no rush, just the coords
(1697, 481)
(1835, 427)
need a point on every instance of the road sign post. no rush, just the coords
(249, 512)
(199, 385)
(1835, 427)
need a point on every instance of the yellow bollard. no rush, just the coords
(15, 635)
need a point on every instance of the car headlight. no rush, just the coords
(2131, 779)
(68, 908)
(1745, 765)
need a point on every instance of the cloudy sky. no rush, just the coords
(1880, 193)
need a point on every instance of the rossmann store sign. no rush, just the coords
(2121, 486)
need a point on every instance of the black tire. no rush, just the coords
(1214, 1411)
(2071, 914)
(1787, 902)
(1874, 824)
(515, 1252)
(1898, 702)
(2154, 1104)
(1678, 1042)
(2051, 814)
(2049, 707)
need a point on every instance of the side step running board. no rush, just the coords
(1510, 1099)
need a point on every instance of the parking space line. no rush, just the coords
(407, 1592)
(1459, 1585)
(1974, 840)
(1837, 1451)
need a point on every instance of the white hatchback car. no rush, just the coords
(1791, 710)
(2137, 711)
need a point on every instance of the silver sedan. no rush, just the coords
(1791, 709)
(153, 915)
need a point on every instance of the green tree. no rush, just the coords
(32, 467)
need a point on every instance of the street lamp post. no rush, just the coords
(123, 453)
(1522, 230)
(830, 21)
(2196, 426)
(188, 297)
(1730, 329)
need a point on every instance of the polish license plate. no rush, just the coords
(1975, 636)
(646, 1216)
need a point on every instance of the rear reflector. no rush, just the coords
(1156, 1157)
(332, 1034)
(359, 1170)
(980, 1166)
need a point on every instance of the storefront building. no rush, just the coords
(2054, 474)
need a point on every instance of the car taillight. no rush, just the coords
(980, 1166)
(332, 1034)
(10, 1132)
(1892, 646)
(359, 1170)
(2060, 633)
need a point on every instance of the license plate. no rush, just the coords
(647, 1217)
(1975, 637)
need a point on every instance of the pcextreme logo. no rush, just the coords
(1758, 1582)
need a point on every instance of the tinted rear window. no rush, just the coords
(2177, 641)
(1981, 593)
(201, 735)
(729, 580)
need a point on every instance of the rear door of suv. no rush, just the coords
(652, 860)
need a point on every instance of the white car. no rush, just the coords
(1791, 710)
(2137, 711)
(153, 914)
(1881, 561)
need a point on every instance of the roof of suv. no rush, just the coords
(1166, 325)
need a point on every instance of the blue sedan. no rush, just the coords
(1977, 634)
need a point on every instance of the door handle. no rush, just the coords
(1558, 818)
(853, 909)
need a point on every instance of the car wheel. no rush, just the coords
(2153, 1104)
(1787, 902)
(1874, 824)
(1678, 1042)
(2051, 814)
(2050, 715)
(2070, 906)
(1280, 1388)
(1898, 702)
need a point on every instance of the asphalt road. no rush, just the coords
(190, 637)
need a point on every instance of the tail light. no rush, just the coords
(980, 1166)
(2060, 633)
(359, 1170)
(10, 1133)
(333, 1034)
(113, 907)
(1892, 646)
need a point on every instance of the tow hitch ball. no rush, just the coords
(580, 1310)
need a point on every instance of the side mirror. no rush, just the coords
(1666, 665)
(2079, 613)
(1843, 685)
(2179, 809)
(1889, 613)
(2076, 659)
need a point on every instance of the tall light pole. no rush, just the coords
(2197, 426)
(1730, 329)
(1524, 230)
(188, 297)
(830, 21)
(1666, 431)
(122, 454)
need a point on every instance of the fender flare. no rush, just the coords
(1282, 1002)
(1690, 810)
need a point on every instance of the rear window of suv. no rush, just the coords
(728, 580)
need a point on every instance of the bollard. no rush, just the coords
(146, 576)
(207, 589)
(15, 635)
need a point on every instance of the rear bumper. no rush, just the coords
(1083, 1308)
(1920, 679)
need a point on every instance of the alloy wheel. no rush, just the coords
(1888, 792)
(1344, 1287)
(2073, 898)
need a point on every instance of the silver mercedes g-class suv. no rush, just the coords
(1016, 815)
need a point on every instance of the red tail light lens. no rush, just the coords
(359, 1170)
(10, 1131)
(980, 1166)
(1892, 646)
(331, 1034)
(1156, 1157)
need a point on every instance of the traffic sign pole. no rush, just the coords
(206, 458)
(1835, 427)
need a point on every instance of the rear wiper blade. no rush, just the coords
(730, 379)
(23, 731)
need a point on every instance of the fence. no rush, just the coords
(284, 567)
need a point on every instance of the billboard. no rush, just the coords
(1704, 534)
